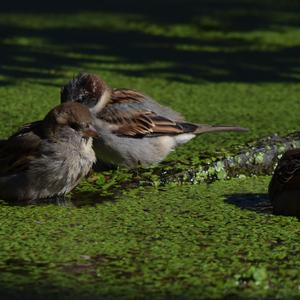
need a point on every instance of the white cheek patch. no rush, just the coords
(101, 103)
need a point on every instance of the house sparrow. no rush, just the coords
(135, 130)
(48, 158)
(284, 188)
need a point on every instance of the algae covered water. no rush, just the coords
(190, 241)
(216, 62)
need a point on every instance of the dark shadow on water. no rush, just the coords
(57, 200)
(77, 292)
(76, 199)
(256, 202)
(89, 198)
(180, 58)
(244, 15)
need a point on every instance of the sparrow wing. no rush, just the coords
(123, 95)
(17, 151)
(129, 114)
(35, 127)
(287, 173)
(138, 123)
(144, 102)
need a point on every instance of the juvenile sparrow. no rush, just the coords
(48, 158)
(134, 129)
(284, 188)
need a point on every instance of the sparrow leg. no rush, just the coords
(101, 166)
(63, 200)
(136, 172)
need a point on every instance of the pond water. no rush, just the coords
(189, 241)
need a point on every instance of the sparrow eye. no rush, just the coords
(92, 102)
(75, 126)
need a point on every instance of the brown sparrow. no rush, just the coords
(48, 158)
(134, 129)
(284, 188)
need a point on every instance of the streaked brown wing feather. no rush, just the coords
(137, 123)
(18, 151)
(122, 95)
(129, 113)
(34, 127)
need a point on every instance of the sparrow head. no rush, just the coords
(85, 88)
(72, 115)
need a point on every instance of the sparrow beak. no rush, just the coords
(90, 132)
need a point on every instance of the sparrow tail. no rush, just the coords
(205, 128)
